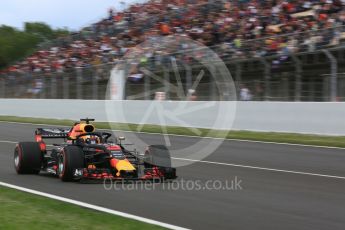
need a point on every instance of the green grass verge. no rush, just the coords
(293, 138)
(20, 210)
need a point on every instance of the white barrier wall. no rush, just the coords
(295, 117)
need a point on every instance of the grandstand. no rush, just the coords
(278, 50)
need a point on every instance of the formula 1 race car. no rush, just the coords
(86, 154)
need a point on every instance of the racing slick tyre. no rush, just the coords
(71, 158)
(159, 156)
(28, 158)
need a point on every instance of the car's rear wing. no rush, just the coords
(52, 133)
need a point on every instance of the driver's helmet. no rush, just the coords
(91, 139)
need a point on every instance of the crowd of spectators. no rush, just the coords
(233, 28)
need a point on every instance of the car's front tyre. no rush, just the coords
(70, 159)
(158, 156)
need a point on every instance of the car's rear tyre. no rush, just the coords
(28, 158)
(71, 158)
(159, 156)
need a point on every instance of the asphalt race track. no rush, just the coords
(290, 188)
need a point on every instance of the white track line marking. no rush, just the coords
(93, 207)
(15, 142)
(261, 168)
(9, 142)
(241, 166)
(178, 135)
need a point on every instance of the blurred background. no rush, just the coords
(276, 50)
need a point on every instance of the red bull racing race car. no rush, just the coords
(87, 154)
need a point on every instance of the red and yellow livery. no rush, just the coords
(87, 154)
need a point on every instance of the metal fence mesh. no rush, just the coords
(310, 76)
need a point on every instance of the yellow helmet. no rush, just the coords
(91, 139)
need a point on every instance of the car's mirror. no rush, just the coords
(121, 138)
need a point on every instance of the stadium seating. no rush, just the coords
(234, 29)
